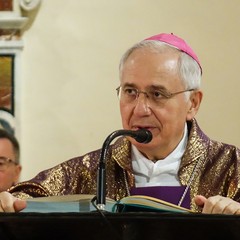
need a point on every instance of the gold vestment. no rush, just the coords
(209, 167)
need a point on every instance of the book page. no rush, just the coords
(151, 202)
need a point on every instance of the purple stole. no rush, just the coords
(170, 194)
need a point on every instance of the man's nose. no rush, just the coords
(142, 107)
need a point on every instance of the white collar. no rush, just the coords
(163, 172)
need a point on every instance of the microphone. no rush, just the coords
(141, 136)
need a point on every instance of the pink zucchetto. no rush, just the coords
(176, 42)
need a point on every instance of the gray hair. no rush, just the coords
(189, 70)
(4, 134)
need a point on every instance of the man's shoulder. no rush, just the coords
(226, 147)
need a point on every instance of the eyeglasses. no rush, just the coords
(5, 162)
(155, 96)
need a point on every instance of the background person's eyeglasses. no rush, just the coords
(5, 162)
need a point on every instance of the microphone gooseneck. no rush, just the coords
(141, 136)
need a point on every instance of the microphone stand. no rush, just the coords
(101, 180)
(142, 136)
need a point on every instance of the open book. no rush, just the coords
(83, 203)
(141, 203)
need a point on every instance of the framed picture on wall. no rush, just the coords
(7, 91)
(7, 83)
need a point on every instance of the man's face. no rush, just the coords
(145, 71)
(10, 175)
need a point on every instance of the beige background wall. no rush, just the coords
(69, 70)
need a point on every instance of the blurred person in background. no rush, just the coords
(10, 167)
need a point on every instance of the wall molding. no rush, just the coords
(14, 21)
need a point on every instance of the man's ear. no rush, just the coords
(195, 102)
(18, 170)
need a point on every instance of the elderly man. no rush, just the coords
(160, 91)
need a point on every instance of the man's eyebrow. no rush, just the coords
(157, 87)
(129, 85)
(151, 87)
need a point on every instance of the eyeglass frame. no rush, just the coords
(6, 162)
(165, 97)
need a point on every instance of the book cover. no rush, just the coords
(65, 203)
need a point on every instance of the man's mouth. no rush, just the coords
(141, 127)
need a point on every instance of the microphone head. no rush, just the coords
(143, 136)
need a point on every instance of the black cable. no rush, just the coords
(112, 228)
